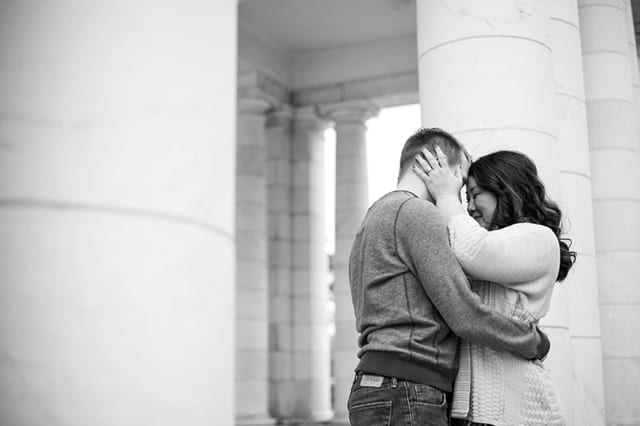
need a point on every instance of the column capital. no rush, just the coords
(257, 92)
(307, 118)
(281, 116)
(351, 112)
(252, 106)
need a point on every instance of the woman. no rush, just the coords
(510, 247)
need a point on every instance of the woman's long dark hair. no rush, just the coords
(521, 197)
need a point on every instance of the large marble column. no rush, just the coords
(486, 74)
(252, 320)
(310, 285)
(615, 166)
(585, 374)
(352, 202)
(633, 63)
(116, 219)
(279, 203)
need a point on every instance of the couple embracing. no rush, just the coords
(447, 301)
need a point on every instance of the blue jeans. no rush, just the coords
(388, 401)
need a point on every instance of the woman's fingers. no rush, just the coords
(424, 167)
(442, 158)
(421, 173)
(433, 161)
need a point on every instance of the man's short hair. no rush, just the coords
(430, 138)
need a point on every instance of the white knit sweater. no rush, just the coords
(514, 270)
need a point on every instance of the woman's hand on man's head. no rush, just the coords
(440, 179)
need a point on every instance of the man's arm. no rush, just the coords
(422, 241)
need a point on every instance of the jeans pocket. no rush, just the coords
(370, 414)
(429, 406)
(425, 394)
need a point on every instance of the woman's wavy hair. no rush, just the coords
(521, 197)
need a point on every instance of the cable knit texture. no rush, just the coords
(513, 270)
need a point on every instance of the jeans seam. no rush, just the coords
(406, 392)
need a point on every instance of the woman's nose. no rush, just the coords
(470, 206)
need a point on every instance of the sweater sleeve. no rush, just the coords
(421, 239)
(516, 254)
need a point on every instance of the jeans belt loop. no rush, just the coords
(394, 382)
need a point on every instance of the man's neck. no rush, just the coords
(412, 183)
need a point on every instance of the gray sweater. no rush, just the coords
(410, 296)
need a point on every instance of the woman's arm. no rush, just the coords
(510, 256)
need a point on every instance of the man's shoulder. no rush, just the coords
(417, 209)
(405, 210)
(403, 200)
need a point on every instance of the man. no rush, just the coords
(410, 296)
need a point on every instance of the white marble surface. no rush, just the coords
(613, 139)
(116, 214)
(576, 205)
(252, 272)
(450, 21)
(482, 81)
(588, 388)
(617, 227)
(279, 195)
(581, 285)
(615, 123)
(622, 375)
(310, 340)
(571, 119)
(558, 362)
(584, 313)
(607, 26)
(143, 104)
(616, 174)
(618, 290)
(110, 317)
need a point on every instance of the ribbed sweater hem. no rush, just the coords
(392, 364)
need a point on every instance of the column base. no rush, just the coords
(317, 418)
(339, 421)
(255, 421)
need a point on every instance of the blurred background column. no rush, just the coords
(310, 286)
(585, 376)
(486, 74)
(352, 202)
(280, 226)
(116, 219)
(615, 166)
(252, 297)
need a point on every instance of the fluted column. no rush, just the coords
(310, 320)
(352, 202)
(279, 203)
(116, 275)
(585, 374)
(486, 74)
(252, 321)
(615, 166)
